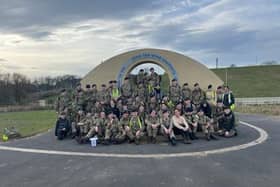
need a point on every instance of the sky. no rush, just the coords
(56, 37)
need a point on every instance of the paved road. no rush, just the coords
(256, 166)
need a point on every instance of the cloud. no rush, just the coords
(70, 36)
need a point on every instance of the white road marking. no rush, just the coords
(262, 138)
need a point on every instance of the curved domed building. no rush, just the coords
(178, 66)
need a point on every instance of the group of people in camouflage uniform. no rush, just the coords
(136, 110)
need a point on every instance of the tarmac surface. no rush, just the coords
(35, 162)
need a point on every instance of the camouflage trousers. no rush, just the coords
(92, 132)
(206, 129)
(152, 132)
(110, 132)
(170, 135)
(193, 127)
(120, 137)
(175, 99)
(132, 135)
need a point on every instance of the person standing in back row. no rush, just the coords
(175, 92)
(229, 100)
(198, 95)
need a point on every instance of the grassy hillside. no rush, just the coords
(253, 81)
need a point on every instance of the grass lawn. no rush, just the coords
(252, 81)
(28, 123)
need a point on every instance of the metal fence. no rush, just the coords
(258, 101)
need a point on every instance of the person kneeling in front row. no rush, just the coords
(227, 124)
(166, 127)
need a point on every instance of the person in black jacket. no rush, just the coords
(112, 107)
(205, 106)
(227, 123)
(229, 100)
(62, 127)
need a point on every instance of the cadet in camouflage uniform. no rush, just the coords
(136, 128)
(94, 91)
(93, 131)
(205, 123)
(124, 121)
(74, 125)
(103, 95)
(88, 98)
(101, 124)
(129, 104)
(120, 105)
(197, 95)
(63, 101)
(217, 115)
(137, 102)
(168, 103)
(152, 104)
(149, 89)
(163, 108)
(141, 92)
(153, 126)
(186, 91)
(115, 92)
(84, 126)
(219, 94)
(142, 113)
(111, 129)
(166, 127)
(97, 108)
(126, 89)
(110, 86)
(175, 92)
(140, 78)
(210, 95)
(79, 100)
(192, 120)
(153, 77)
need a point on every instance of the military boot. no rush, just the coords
(172, 141)
(154, 140)
(194, 136)
(213, 137)
(207, 136)
(137, 141)
(150, 139)
(186, 137)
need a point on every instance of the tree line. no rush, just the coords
(17, 89)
